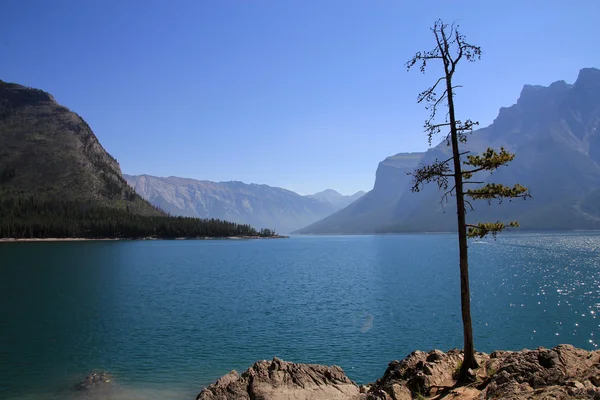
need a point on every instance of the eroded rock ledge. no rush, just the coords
(278, 379)
(563, 372)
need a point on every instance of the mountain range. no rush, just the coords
(57, 181)
(260, 206)
(49, 152)
(554, 133)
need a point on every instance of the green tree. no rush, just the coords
(451, 175)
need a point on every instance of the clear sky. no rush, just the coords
(302, 94)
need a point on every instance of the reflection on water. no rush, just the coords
(167, 318)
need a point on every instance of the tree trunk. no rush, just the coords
(469, 360)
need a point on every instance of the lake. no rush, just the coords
(166, 318)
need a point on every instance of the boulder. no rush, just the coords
(278, 380)
(557, 373)
(424, 374)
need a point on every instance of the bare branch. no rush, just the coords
(427, 93)
(444, 96)
(449, 192)
(467, 202)
(437, 172)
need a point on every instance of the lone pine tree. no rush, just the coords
(453, 174)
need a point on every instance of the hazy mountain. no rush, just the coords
(367, 213)
(49, 152)
(261, 206)
(554, 132)
(336, 199)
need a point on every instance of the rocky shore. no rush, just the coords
(563, 372)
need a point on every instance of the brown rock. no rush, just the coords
(563, 372)
(400, 392)
(278, 379)
(422, 373)
(557, 373)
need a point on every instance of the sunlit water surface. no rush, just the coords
(166, 318)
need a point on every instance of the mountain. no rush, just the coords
(257, 205)
(50, 152)
(336, 199)
(366, 213)
(57, 181)
(554, 132)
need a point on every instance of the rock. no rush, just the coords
(435, 355)
(547, 359)
(556, 373)
(563, 372)
(418, 374)
(575, 384)
(401, 392)
(278, 379)
(93, 380)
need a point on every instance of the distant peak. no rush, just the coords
(530, 90)
(588, 77)
(534, 92)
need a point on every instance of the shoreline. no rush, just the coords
(563, 372)
(74, 239)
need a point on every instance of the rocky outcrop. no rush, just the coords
(93, 380)
(423, 373)
(278, 379)
(563, 372)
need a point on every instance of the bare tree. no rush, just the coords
(451, 48)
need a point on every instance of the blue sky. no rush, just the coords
(302, 94)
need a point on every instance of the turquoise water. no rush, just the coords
(168, 317)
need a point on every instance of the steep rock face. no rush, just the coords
(261, 206)
(554, 132)
(49, 151)
(279, 380)
(366, 213)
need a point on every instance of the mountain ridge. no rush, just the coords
(553, 132)
(256, 204)
(37, 132)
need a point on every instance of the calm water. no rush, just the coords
(168, 317)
